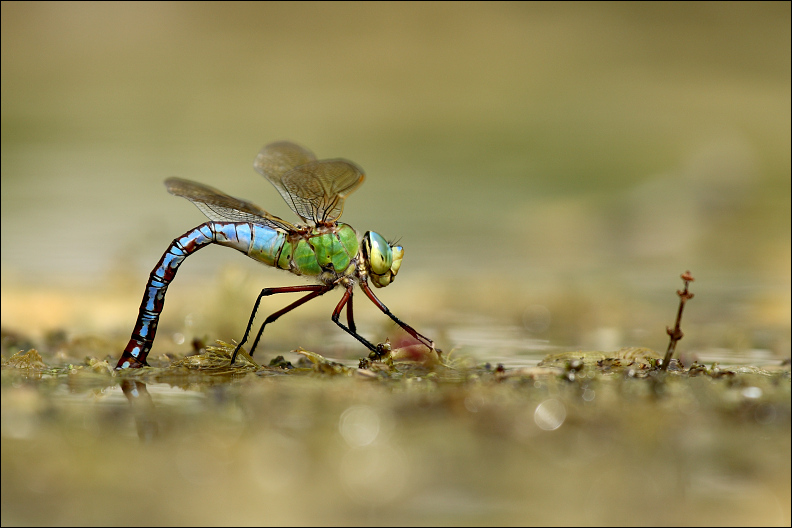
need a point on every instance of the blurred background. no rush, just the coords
(550, 169)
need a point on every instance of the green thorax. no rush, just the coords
(320, 250)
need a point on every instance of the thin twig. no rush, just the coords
(676, 334)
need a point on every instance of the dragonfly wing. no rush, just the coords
(318, 189)
(276, 159)
(315, 190)
(221, 207)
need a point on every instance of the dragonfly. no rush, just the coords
(320, 247)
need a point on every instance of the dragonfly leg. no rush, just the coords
(407, 328)
(315, 291)
(350, 317)
(347, 300)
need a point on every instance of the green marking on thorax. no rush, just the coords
(321, 250)
(305, 259)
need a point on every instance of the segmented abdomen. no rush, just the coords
(260, 243)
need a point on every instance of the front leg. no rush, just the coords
(407, 328)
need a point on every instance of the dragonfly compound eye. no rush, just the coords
(380, 256)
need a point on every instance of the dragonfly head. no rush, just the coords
(383, 260)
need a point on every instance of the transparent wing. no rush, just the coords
(221, 207)
(276, 159)
(318, 189)
(314, 189)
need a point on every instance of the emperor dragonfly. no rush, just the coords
(320, 247)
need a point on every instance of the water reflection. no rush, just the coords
(142, 408)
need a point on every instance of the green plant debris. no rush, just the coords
(30, 360)
(216, 359)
